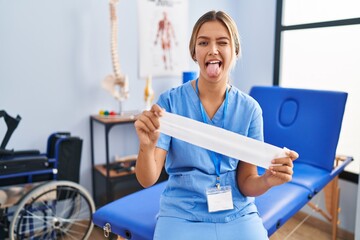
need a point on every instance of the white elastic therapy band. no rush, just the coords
(220, 140)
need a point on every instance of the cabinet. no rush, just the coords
(104, 180)
(107, 183)
(117, 184)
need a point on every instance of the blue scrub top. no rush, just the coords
(191, 169)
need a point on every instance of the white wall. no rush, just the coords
(256, 23)
(54, 54)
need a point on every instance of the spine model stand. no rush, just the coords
(118, 83)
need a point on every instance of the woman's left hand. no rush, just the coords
(282, 169)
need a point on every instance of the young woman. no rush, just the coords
(199, 178)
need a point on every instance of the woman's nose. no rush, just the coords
(213, 49)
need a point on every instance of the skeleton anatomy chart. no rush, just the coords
(163, 37)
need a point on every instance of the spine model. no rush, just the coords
(117, 84)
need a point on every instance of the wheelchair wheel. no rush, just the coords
(54, 210)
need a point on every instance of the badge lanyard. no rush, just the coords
(214, 156)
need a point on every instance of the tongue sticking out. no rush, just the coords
(213, 69)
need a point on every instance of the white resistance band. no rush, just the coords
(220, 140)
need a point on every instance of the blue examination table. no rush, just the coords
(307, 121)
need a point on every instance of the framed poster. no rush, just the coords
(163, 40)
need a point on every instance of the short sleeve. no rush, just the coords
(164, 140)
(256, 128)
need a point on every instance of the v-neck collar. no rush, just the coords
(218, 116)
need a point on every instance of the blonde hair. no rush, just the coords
(228, 23)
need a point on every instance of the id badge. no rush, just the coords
(219, 199)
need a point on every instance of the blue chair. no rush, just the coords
(308, 121)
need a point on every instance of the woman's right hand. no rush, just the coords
(147, 125)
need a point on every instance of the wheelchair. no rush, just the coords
(40, 197)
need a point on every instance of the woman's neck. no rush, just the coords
(211, 90)
(211, 95)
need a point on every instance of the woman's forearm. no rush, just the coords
(254, 186)
(149, 165)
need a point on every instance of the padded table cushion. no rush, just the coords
(280, 203)
(307, 121)
(310, 177)
(133, 216)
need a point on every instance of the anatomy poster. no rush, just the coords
(163, 37)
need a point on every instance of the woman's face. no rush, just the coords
(213, 51)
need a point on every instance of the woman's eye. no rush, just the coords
(202, 43)
(223, 43)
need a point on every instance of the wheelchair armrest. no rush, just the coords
(10, 154)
